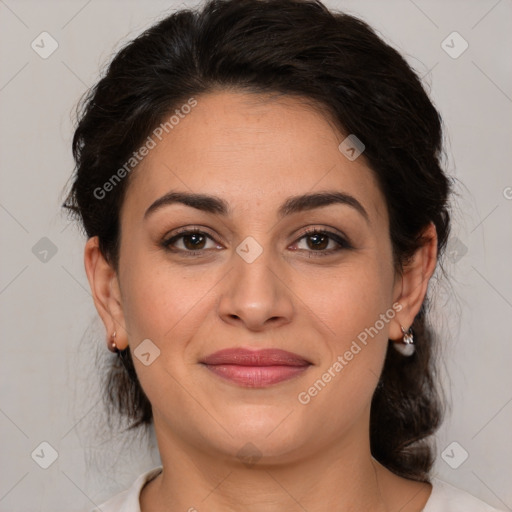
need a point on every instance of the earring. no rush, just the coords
(406, 345)
(113, 347)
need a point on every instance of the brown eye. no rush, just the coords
(319, 241)
(191, 240)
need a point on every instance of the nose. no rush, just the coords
(255, 295)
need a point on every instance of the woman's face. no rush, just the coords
(254, 279)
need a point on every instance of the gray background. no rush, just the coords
(52, 342)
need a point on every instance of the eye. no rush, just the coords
(192, 240)
(317, 241)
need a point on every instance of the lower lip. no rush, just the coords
(256, 376)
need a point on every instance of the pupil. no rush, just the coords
(318, 244)
(193, 245)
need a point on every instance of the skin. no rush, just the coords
(255, 152)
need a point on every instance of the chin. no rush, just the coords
(270, 435)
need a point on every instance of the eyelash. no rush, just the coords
(343, 243)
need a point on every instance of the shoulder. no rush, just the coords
(447, 498)
(128, 500)
(443, 498)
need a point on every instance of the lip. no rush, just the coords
(256, 368)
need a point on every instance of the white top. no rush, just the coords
(443, 498)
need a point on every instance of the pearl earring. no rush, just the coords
(406, 345)
(113, 347)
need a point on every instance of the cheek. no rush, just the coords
(353, 298)
(163, 301)
(167, 305)
(354, 350)
(356, 305)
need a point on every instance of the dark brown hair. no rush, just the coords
(296, 48)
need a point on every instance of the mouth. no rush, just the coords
(256, 368)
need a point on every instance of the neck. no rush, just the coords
(341, 477)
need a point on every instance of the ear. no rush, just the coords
(106, 293)
(411, 286)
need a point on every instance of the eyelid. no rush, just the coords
(324, 230)
(190, 229)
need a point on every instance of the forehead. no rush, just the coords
(250, 149)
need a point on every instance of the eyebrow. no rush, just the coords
(295, 204)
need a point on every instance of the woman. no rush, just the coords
(261, 188)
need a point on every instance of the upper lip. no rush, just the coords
(262, 357)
